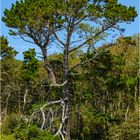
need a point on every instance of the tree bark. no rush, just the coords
(65, 76)
(66, 91)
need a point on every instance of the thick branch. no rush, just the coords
(43, 116)
(53, 78)
(89, 60)
(89, 39)
(63, 118)
(82, 63)
(21, 36)
(47, 66)
(56, 36)
(47, 104)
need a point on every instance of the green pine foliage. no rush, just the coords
(30, 65)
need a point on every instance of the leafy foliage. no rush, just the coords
(7, 52)
(30, 65)
(24, 132)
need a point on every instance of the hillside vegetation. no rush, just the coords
(104, 95)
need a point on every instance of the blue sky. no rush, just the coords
(21, 46)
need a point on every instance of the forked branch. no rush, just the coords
(63, 116)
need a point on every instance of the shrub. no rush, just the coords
(9, 124)
(32, 132)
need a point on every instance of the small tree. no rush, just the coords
(29, 71)
(29, 66)
(8, 76)
(7, 52)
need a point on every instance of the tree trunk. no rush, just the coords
(65, 78)
(66, 91)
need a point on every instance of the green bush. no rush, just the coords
(8, 137)
(32, 132)
(9, 124)
(13, 128)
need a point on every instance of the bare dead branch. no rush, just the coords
(126, 114)
(43, 116)
(63, 118)
(46, 104)
(7, 99)
(25, 95)
(58, 85)
(51, 112)
(32, 115)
